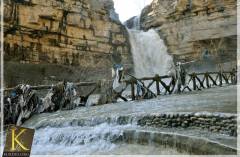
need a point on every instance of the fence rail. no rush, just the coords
(164, 85)
(43, 87)
(196, 81)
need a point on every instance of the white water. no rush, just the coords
(97, 140)
(149, 52)
(76, 140)
(150, 58)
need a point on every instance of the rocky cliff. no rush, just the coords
(65, 39)
(195, 29)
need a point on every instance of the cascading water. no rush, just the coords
(149, 52)
(76, 140)
(100, 135)
(112, 135)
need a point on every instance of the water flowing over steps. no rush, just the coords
(212, 122)
(85, 136)
(78, 131)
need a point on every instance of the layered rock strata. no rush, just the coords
(65, 35)
(195, 30)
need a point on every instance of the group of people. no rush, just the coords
(177, 72)
(23, 102)
(20, 105)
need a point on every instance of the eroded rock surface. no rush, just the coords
(195, 29)
(78, 33)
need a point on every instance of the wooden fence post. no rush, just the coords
(194, 81)
(220, 78)
(158, 87)
(158, 84)
(207, 79)
(133, 90)
(233, 77)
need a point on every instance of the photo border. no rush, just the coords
(2, 75)
(238, 76)
(2, 90)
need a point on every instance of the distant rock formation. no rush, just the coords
(132, 22)
(195, 29)
(76, 34)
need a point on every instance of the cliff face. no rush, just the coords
(79, 34)
(195, 29)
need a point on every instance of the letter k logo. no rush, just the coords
(15, 139)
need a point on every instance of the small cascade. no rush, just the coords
(73, 140)
(80, 136)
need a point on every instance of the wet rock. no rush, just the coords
(218, 124)
(123, 120)
(193, 118)
(214, 120)
(148, 123)
(184, 125)
(174, 125)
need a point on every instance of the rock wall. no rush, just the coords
(218, 123)
(223, 123)
(76, 34)
(195, 29)
(181, 142)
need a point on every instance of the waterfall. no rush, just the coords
(61, 136)
(149, 52)
(136, 22)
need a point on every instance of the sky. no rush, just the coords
(129, 8)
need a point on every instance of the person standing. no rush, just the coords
(181, 76)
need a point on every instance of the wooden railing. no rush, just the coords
(210, 79)
(195, 81)
(42, 87)
(164, 85)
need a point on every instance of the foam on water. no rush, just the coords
(74, 140)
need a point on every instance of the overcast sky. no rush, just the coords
(129, 8)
